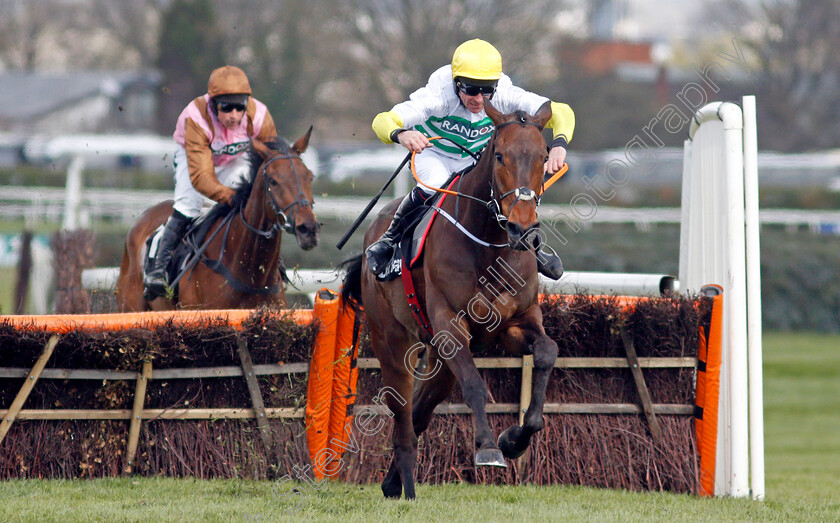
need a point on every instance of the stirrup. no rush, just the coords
(154, 285)
(152, 291)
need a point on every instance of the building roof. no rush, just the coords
(32, 95)
(603, 57)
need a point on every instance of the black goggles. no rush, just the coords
(472, 90)
(226, 107)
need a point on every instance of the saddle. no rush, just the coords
(184, 251)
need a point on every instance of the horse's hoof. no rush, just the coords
(510, 442)
(392, 491)
(490, 458)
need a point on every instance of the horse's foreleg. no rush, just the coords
(453, 345)
(515, 439)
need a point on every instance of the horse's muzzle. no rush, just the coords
(307, 234)
(519, 237)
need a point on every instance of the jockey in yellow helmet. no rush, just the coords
(451, 105)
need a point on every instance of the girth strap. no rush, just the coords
(220, 268)
(413, 301)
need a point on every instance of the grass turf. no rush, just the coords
(802, 421)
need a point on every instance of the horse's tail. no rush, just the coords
(351, 287)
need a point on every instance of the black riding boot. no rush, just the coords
(155, 281)
(549, 264)
(379, 252)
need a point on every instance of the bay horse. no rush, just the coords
(478, 284)
(244, 238)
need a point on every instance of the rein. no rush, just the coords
(285, 220)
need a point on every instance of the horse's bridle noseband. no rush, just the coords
(285, 219)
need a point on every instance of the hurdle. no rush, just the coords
(719, 243)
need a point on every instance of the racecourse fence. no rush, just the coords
(644, 407)
(48, 204)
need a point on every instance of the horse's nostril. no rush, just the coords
(514, 230)
(307, 228)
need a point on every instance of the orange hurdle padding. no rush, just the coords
(64, 323)
(345, 378)
(319, 388)
(707, 396)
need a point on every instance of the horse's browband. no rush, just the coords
(521, 121)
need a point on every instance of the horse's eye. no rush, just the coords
(500, 158)
(272, 182)
(546, 159)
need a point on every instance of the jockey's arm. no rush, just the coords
(562, 124)
(267, 131)
(388, 127)
(200, 165)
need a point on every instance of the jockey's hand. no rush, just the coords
(556, 159)
(413, 140)
(227, 196)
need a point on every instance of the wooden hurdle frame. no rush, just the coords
(59, 324)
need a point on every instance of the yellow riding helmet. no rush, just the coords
(478, 60)
(228, 80)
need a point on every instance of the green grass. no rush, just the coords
(189, 500)
(802, 424)
(802, 417)
(8, 281)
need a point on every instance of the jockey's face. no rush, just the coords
(474, 104)
(230, 119)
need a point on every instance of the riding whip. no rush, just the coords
(370, 205)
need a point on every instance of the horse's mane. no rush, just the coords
(243, 191)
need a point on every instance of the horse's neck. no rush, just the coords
(475, 216)
(255, 256)
(479, 220)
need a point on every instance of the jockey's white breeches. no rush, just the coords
(188, 201)
(434, 168)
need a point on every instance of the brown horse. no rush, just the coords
(245, 238)
(476, 290)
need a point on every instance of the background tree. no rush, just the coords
(133, 26)
(278, 44)
(793, 44)
(382, 50)
(97, 35)
(191, 46)
(25, 29)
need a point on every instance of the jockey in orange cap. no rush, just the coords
(213, 133)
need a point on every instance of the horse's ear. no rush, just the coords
(303, 142)
(543, 115)
(496, 116)
(261, 149)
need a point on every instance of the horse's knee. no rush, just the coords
(545, 354)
